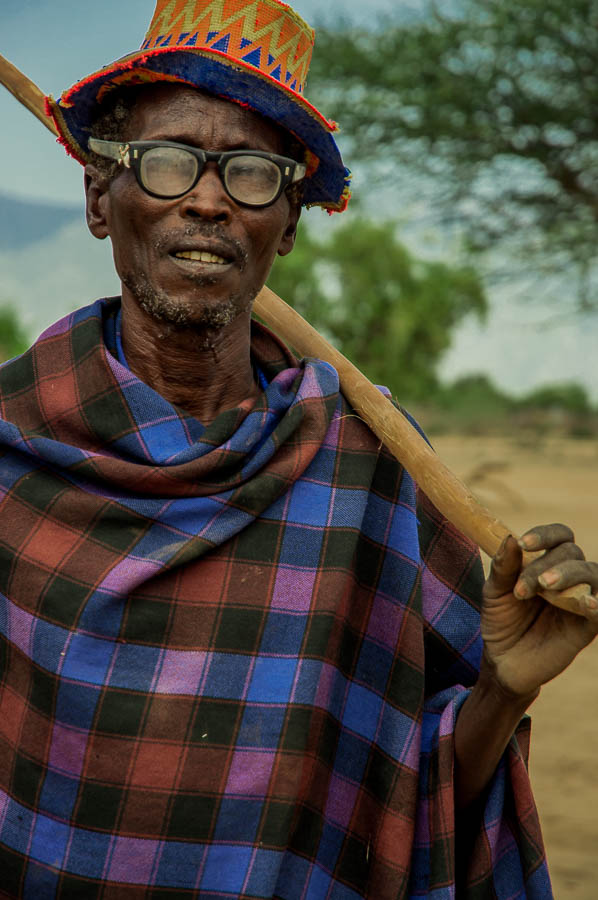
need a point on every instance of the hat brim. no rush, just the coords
(214, 72)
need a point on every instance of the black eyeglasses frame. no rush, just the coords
(129, 154)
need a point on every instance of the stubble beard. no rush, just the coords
(169, 310)
(178, 313)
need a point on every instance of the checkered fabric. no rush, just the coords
(231, 657)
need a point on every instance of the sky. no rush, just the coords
(56, 43)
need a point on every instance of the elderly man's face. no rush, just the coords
(149, 234)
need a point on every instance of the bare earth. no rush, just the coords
(525, 483)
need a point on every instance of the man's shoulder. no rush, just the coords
(54, 333)
(53, 356)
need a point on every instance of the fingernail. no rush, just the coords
(529, 541)
(591, 602)
(549, 579)
(521, 590)
(501, 550)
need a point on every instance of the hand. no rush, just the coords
(527, 641)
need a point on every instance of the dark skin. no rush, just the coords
(204, 365)
(527, 642)
(186, 333)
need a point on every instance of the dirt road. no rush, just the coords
(526, 483)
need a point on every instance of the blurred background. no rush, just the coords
(463, 276)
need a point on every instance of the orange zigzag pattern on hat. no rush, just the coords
(283, 39)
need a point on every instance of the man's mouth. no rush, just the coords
(202, 256)
(202, 250)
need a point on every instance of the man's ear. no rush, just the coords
(290, 233)
(96, 202)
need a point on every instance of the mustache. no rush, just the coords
(209, 231)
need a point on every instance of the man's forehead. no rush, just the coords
(191, 112)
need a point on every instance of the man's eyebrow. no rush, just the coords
(172, 139)
(241, 144)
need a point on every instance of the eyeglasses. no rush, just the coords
(168, 170)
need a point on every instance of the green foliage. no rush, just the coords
(390, 313)
(474, 405)
(476, 394)
(496, 101)
(572, 398)
(13, 339)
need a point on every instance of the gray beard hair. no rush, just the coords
(158, 304)
(162, 307)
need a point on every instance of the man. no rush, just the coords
(240, 653)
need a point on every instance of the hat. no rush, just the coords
(252, 52)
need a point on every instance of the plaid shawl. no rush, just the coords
(231, 657)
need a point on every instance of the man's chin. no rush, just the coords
(202, 312)
(182, 315)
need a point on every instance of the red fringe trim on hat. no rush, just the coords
(139, 59)
(71, 146)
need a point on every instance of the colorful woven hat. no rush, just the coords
(252, 52)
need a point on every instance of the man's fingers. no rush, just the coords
(562, 566)
(545, 571)
(504, 570)
(545, 537)
(568, 574)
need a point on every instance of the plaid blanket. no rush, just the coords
(231, 658)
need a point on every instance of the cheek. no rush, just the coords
(269, 238)
(265, 257)
(131, 233)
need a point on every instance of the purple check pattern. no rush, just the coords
(231, 658)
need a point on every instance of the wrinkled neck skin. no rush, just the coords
(204, 370)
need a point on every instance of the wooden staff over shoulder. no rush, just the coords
(26, 92)
(452, 498)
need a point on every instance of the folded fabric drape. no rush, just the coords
(231, 657)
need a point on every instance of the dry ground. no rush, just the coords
(526, 482)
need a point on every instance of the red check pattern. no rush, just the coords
(231, 658)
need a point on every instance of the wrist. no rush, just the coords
(492, 690)
(485, 724)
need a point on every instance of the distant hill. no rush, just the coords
(24, 222)
(49, 262)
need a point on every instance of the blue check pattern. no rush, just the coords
(231, 657)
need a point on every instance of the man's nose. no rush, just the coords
(208, 199)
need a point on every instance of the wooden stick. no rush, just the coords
(444, 489)
(451, 497)
(25, 91)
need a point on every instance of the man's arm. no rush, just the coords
(527, 642)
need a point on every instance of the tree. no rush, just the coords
(496, 100)
(390, 313)
(13, 339)
(571, 398)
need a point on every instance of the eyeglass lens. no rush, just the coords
(170, 172)
(252, 179)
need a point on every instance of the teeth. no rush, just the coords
(201, 256)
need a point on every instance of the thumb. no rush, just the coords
(505, 569)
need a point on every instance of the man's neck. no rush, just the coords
(203, 370)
